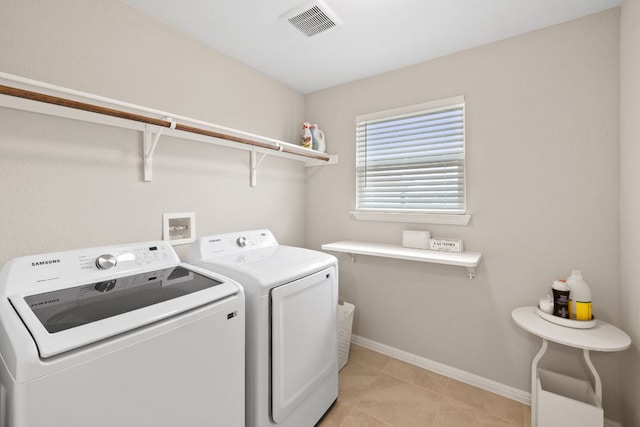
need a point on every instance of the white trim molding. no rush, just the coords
(447, 219)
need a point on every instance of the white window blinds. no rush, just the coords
(412, 159)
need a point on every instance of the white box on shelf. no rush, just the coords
(416, 239)
(447, 245)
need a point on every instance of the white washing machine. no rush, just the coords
(119, 336)
(291, 298)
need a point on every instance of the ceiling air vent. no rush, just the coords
(312, 17)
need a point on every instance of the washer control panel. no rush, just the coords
(119, 259)
(90, 265)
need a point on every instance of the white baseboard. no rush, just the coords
(451, 372)
(447, 371)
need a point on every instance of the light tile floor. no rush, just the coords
(379, 391)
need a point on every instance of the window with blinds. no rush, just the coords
(411, 160)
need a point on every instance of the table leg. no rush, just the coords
(534, 382)
(596, 377)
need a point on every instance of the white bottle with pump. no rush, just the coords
(580, 299)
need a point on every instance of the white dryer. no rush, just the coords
(119, 336)
(291, 298)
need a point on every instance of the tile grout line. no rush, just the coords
(376, 418)
(382, 371)
(355, 405)
(442, 394)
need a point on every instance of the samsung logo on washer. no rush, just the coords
(47, 262)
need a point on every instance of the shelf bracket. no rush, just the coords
(254, 164)
(471, 272)
(149, 143)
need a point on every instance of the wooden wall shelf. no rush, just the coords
(29, 95)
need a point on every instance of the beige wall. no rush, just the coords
(542, 176)
(67, 184)
(630, 204)
(542, 132)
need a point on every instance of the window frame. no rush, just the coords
(399, 215)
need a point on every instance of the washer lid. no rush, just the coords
(64, 319)
(259, 270)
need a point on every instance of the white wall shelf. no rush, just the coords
(470, 260)
(29, 95)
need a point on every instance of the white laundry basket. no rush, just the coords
(345, 323)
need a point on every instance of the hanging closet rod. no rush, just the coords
(69, 103)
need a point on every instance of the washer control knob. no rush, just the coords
(106, 261)
(242, 242)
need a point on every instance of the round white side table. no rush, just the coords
(602, 337)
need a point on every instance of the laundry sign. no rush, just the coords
(446, 245)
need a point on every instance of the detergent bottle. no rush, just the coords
(580, 299)
(318, 139)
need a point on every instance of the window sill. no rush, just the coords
(448, 219)
(470, 260)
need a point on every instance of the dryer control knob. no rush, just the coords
(242, 242)
(106, 261)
